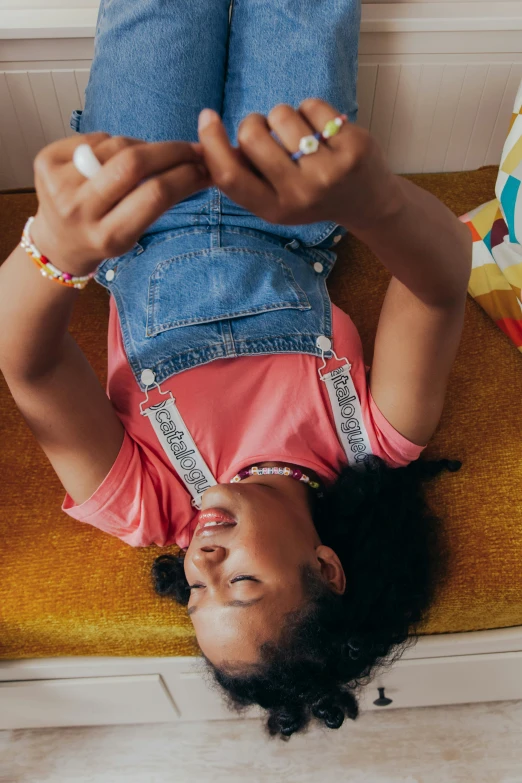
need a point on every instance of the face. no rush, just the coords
(244, 566)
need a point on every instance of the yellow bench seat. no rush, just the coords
(68, 589)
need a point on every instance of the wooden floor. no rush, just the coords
(480, 743)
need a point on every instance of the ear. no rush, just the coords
(331, 569)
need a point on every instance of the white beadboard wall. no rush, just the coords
(437, 80)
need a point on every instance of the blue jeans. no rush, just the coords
(209, 280)
(157, 64)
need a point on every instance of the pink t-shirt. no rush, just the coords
(239, 412)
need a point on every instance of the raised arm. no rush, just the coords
(79, 223)
(424, 246)
(428, 252)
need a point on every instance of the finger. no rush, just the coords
(62, 151)
(270, 158)
(104, 150)
(197, 147)
(291, 127)
(144, 205)
(318, 114)
(230, 170)
(57, 172)
(130, 166)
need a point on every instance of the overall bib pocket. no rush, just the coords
(216, 284)
(196, 295)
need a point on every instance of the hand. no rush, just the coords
(346, 181)
(81, 222)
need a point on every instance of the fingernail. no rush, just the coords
(206, 117)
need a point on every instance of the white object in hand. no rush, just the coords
(86, 161)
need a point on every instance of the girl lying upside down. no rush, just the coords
(241, 422)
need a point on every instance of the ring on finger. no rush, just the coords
(85, 161)
(310, 144)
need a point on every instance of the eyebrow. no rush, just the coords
(240, 604)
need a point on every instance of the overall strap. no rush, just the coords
(177, 442)
(346, 406)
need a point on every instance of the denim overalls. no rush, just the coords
(209, 280)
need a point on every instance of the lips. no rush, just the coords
(213, 520)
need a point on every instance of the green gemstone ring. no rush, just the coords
(310, 144)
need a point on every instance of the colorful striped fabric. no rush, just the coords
(496, 277)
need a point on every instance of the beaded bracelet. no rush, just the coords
(310, 144)
(44, 265)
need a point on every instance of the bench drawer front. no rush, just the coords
(89, 701)
(461, 679)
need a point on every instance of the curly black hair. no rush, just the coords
(394, 557)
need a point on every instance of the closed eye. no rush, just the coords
(232, 581)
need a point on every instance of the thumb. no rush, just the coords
(229, 168)
(206, 118)
(217, 150)
(221, 158)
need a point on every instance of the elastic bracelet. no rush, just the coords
(44, 265)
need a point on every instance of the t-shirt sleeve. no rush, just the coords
(393, 447)
(388, 444)
(132, 502)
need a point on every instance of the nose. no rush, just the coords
(209, 555)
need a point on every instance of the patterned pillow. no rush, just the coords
(496, 277)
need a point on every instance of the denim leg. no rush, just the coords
(157, 64)
(283, 51)
(289, 50)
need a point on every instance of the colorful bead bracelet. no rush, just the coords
(46, 268)
(296, 474)
(310, 144)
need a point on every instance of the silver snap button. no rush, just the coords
(110, 275)
(323, 343)
(318, 267)
(148, 377)
(337, 238)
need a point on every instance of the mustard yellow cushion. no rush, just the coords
(68, 589)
